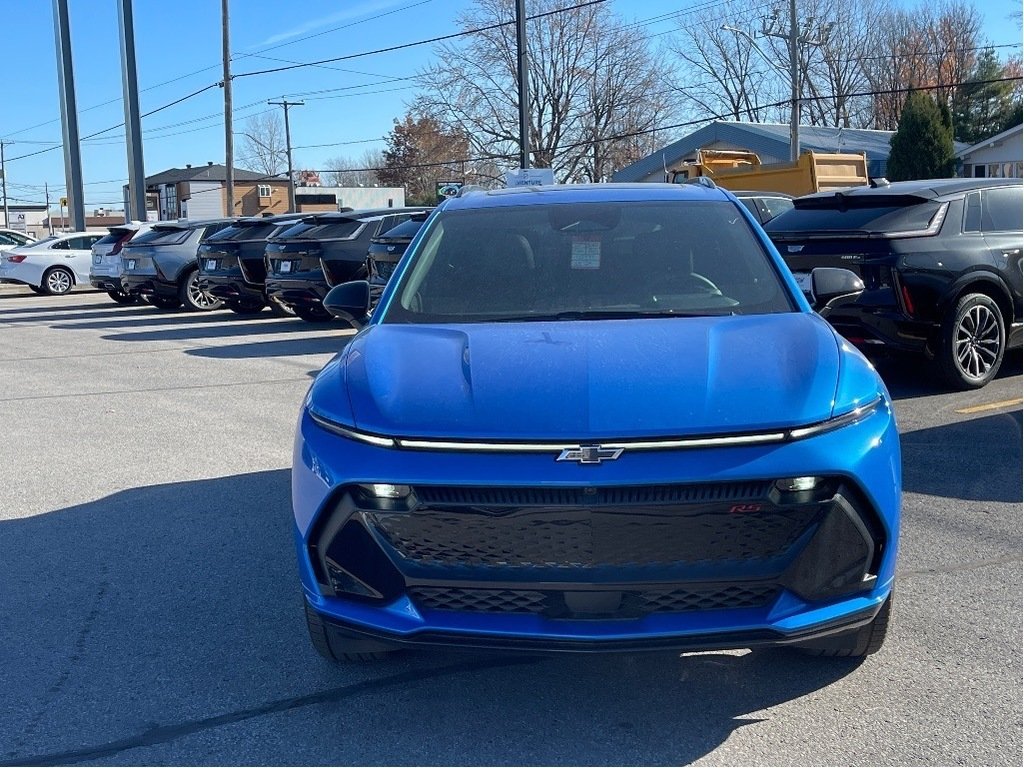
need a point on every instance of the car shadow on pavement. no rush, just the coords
(907, 378)
(317, 345)
(162, 624)
(222, 330)
(974, 459)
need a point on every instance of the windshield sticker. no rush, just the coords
(586, 252)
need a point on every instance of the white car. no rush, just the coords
(10, 238)
(53, 265)
(105, 272)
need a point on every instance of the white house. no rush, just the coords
(1001, 156)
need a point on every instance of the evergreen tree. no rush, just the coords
(983, 109)
(922, 147)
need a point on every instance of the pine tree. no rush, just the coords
(981, 108)
(922, 147)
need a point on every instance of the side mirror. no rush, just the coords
(829, 284)
(349, 302)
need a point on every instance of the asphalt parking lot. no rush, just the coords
(150, 611)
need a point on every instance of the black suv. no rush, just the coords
(941, 265)
(232, 263)
(386, 251)
(321, 251)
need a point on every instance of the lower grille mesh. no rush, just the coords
(630, 603)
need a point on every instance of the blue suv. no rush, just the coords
(596, 418)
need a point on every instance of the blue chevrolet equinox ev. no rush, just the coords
(590, 418)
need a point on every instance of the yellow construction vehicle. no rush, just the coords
(741, 169)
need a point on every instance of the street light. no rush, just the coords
(794, 115)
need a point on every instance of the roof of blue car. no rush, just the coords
(582, 193)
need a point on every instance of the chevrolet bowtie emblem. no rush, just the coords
(589, 454)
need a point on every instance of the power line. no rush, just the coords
(417, 43)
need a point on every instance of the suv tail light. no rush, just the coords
(120, 243)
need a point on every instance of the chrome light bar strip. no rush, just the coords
(756, 438)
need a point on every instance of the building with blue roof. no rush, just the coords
(769, 140)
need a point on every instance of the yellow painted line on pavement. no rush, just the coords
(991, 406)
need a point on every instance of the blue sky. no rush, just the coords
(178, 49)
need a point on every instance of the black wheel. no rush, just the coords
(193, 298)
(163, 302)
(973, 341)
(314, 314)
(122, 298)
(334, 645)
(860, 642)
(57, 281)
(243, 309)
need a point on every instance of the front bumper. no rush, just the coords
(735, 583)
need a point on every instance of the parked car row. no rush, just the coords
(940, 261)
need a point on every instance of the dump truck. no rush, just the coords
(741, 169)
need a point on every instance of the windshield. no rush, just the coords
(588, 261)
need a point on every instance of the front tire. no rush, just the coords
(973, 342)
(193, 298)
(57, 281)
(859, 643)
(335, 646)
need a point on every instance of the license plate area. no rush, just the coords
(211, 265)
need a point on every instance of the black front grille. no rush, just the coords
(623, 604)
(576, 537)
(433, 495)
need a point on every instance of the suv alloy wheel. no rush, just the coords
(973, 342)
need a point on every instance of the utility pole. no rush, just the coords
(69, 115)
(229, 139)
(794, 39)
(523, 74)
(49, 218)
(3, 180)
(132, 120)
(288, 147)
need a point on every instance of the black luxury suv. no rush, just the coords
(386, 251)
(232, 263)
(941, 265)
(323, 250)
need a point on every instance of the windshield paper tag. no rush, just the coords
(586, 252)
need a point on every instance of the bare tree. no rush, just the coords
(580, 59)
(930, 46)
(263, 149)
(354, 172)
(723, 74)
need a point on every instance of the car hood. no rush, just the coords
(581, 380)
